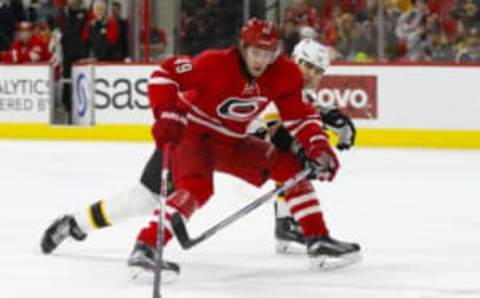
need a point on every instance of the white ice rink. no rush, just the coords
(416, 214)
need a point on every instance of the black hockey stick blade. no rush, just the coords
(180, 230)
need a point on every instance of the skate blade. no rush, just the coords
(142, 275)
(290, 248)
(328, 262)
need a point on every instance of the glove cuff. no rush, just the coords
(174, 116)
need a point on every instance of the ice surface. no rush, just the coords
(415, 213)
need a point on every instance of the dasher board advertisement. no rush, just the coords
(25, 93)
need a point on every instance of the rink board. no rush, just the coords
(368, 137)
(392, 106)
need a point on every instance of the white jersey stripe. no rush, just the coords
(296, 201)
(198, 111)
(220, 129)
(162, 81)
(306, 212)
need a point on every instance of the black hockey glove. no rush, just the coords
(341, 125)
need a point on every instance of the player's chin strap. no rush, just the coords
(180, 229)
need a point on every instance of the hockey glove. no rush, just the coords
(321, 158)
(168, 128)
(341, 125)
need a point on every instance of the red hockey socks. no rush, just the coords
(180, 201)
(305, 209)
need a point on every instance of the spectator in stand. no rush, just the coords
(72, 21)
(367, 11)
(11, 12)
(18, 9)
(7, 25)
(299, 21)
(440, 50)
(31, 13)
(411, 20)
(468, 12)
(26, 48)
(391, 16)
(401, 5)
(468, 50)
(51, 38)
(364, 41)
(213, 24)
(302, 14)
(330, 27)
(346, 29)
(290, 36)
(411, 28)
(102, 34)
(158, 44)
(122, 48)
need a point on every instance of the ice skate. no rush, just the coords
(142, 265)
(326, 252)
(62, 228)
(289, 236)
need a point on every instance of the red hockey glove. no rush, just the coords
(323, 159)
(168, 128)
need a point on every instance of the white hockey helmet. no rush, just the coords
(313, 52)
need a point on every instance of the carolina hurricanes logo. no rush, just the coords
(240, 109)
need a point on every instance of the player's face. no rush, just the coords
(312, 75)
(257, 60)
(25, 36)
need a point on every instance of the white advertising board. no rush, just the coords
(121, 94)
(377, 96)
(419, 97)
(25, 93)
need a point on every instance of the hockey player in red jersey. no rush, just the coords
(141, 198)
(209, 132)
(27, 48)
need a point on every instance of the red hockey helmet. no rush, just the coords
(260, 34)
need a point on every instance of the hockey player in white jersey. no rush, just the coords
(313, 60)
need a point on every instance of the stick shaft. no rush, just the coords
(187, 242)
(157, 277)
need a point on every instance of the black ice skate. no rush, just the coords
(142, 265)
(326, 252)
(289, 236)
(62, 228)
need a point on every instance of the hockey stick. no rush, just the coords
(157, 277)
(180, 229)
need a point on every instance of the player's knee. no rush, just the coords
(141, 200)
(286, 165)
(200, 188)
(138, 201)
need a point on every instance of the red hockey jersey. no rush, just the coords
(225, 100)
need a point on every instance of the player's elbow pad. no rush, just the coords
(162, 98)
